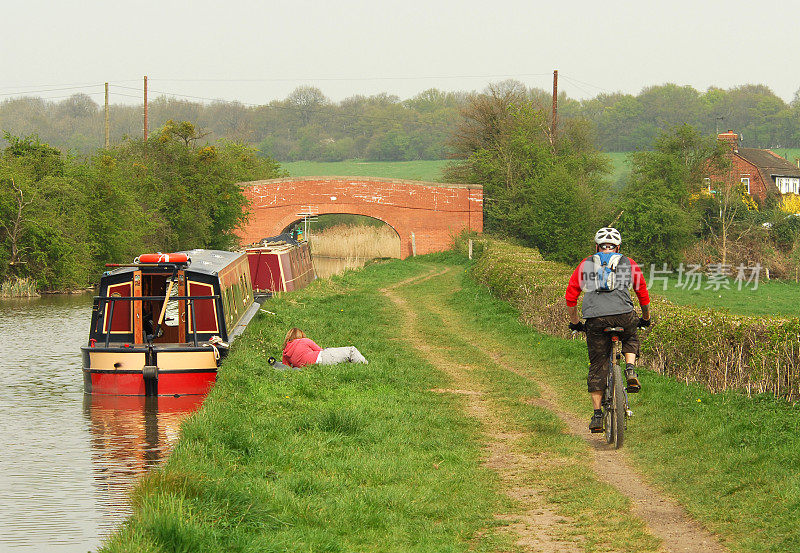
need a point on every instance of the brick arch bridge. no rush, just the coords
(432, 212)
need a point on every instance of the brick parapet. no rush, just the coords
(433, 213)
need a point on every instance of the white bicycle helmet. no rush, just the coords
(608, 235)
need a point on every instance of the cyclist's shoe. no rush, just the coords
(596, 424)
(633, 380)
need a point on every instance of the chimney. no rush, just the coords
(730, 138)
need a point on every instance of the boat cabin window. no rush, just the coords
(123, 313)
(205, 311)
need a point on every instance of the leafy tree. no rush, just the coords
(659, 218)
(548, 195)
(42, 216)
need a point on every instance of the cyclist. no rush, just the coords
(607, 277)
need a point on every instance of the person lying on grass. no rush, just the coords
(299, 351)
(606, 277)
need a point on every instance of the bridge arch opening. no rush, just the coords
(349, 236)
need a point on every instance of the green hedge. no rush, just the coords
(723, 351)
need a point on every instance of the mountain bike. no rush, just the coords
(615, 397)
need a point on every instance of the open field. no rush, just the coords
(619, 166)
(791, 154)
(425, 170)
(464, 433)
(769, 298)
(431, 170)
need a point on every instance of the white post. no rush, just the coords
(413, 245)
(470, 248)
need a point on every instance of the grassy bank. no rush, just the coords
(370, 458)
(344, 458)
(730, 460)
(424, 170)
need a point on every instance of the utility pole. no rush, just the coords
(145, 107)
(106, 112)
(554, 127)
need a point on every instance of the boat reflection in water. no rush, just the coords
(129, 436)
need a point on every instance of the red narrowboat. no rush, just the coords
(162, 324)
(280, 264)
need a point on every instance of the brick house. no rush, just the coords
(763, 172)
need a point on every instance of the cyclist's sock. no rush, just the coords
(629, 366)
(598, 412)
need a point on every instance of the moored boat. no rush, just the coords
(162, 324)
(280, 264)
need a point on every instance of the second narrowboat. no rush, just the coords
(280, 264)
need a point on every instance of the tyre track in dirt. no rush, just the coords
(534, 525)
(664, 516)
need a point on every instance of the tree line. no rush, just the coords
(62, 218)
(306, 125)
(551, 191)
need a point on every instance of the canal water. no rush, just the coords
(69, 459)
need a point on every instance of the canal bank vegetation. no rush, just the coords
(341, 458)
(355, 242)
(376, 458)
(709, 346)
(729, 458)
(62, 219)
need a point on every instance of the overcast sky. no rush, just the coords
(255, 52)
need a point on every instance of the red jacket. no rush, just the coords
(300, 352)
(618, 301)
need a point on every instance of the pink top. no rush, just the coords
(300, 352)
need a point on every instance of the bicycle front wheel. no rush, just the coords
(618, 409)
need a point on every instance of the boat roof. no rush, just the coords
(208, 262)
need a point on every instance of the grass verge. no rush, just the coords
(342, 458)
(730, 460)
(481, 335)
(367, 458)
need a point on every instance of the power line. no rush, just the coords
(51, 90)
(588, 84)
(354, 79)
(579, 87)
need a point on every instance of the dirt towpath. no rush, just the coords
(535, 524)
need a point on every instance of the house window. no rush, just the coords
(746, 182)
(788, 185)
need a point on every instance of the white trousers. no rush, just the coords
(332, 356)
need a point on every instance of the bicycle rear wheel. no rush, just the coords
(618, 410)
(609, 427)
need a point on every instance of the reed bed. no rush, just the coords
(355, 242)
(19, 288)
